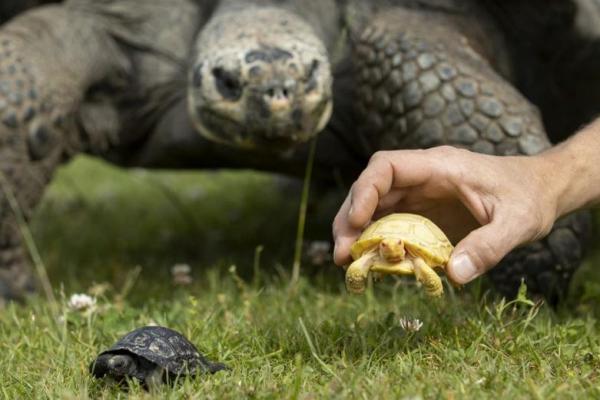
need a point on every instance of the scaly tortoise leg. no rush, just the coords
(48, 59)
(358, 272)
(422, 83)
(431, 281)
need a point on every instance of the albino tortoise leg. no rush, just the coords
(48, 58)
(421, 83)
(358, 272)
(430, 280)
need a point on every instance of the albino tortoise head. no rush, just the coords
(261, 78)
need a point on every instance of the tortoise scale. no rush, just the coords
(400, 244)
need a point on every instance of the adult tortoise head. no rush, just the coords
(261, 78)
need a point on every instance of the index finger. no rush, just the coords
(386, 170)
(372, 184)
(344, 234)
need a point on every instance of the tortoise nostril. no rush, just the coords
(314, 67)
(277, 93)
(227, 84)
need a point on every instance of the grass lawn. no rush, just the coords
(116, 234)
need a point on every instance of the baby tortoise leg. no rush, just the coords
(358, 272)
(421, 83)
(431, 281)
(47, 61)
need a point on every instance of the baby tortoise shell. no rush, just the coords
(152, 354)
(401, 244)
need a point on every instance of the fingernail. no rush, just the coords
(351, 210)
(463, 268)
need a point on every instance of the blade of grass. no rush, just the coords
(302, 215)
(313, 351)
(257, 253)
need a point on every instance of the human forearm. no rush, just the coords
(572, 170)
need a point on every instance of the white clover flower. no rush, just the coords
(410, 325)
(181, 274)
(319, 252)
(81, 302)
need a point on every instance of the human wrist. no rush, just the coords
(555, 173)
(571, 172)
(546, 186)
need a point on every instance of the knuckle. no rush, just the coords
(379, 156)
(449, 160)
(446, 151)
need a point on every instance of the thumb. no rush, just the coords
(481, 250)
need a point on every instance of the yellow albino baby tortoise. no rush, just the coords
(400, 244)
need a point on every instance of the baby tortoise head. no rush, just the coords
(400, 244)
(121, 366)
(261, 79)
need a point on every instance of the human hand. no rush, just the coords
(488, 204)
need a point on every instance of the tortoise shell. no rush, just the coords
(165, 348)
(421, 237)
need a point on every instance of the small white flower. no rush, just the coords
(181, 274)
(81, 302)
(410, 325)
(319, 252)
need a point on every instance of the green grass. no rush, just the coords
(116, 234)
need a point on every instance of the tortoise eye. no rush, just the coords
(311, 76)
(227, 84)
